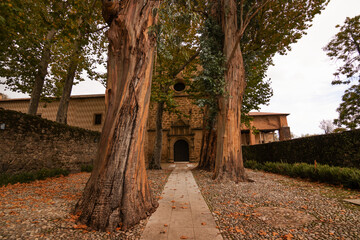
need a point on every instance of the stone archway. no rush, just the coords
(181, 151)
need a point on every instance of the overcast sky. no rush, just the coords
(301, 80)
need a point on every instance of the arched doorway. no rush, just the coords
(181, 151)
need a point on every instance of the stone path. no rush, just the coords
(182, 211)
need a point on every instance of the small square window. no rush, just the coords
(97, 119)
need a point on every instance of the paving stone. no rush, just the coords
(353, 201)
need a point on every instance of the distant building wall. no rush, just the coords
(81, 113)
(88, 112)
(30, 143)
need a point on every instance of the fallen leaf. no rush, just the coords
(288, 236)
(203, 223)
(165, 225)
(173, 207)
(239, 230)
(184, 237)
(80, 226)
(262, 233)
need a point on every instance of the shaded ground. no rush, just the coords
(273, 207)
(41, 209)
(279, 207)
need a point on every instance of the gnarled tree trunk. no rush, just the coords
(155, 159)
(117, 193)
(41, 74)
(229, 163)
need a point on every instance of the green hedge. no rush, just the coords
(87, 168)
(31, 176)
(347, 177)
(338, 149)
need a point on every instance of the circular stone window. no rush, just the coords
(179, 86)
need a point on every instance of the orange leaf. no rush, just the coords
(183, 237)
(173, 207)
(239, 230)
(80, 226)
(288, 236)
(262, 233)
(165, 225)
(203, 223)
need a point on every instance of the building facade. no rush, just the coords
(181, 135)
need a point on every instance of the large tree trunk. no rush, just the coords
(208, 144)
(229, 163)
(61, 115)
(41, 74)
(117, 193)
(155, 159)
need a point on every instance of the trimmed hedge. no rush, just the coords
(31, 176)
(347, 177)
(87, 168)
(337, 149)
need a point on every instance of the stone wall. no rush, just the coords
(30, 143)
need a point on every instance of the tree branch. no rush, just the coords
(185, 64)
(97, 30)
(241, 31)
(355, 42)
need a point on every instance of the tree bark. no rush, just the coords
(208, 145)
(41, 74)
(117, 193)
(61, 115)
(229, 163)
(155, 160)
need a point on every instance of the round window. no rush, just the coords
(179, 86)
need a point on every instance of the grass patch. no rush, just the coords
(32, 176)
(347, 177)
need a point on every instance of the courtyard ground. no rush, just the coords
(279, 207)
(271, 207)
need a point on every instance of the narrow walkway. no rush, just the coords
(182, 213)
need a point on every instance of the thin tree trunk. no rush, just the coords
(155, 160)
(61, 115)
(41, 74)
(117, 193)
(229, 162)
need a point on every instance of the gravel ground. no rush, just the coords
(41, 209)
(279, 207)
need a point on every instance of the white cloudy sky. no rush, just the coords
(301, 80)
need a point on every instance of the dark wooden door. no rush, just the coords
(181, 151)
